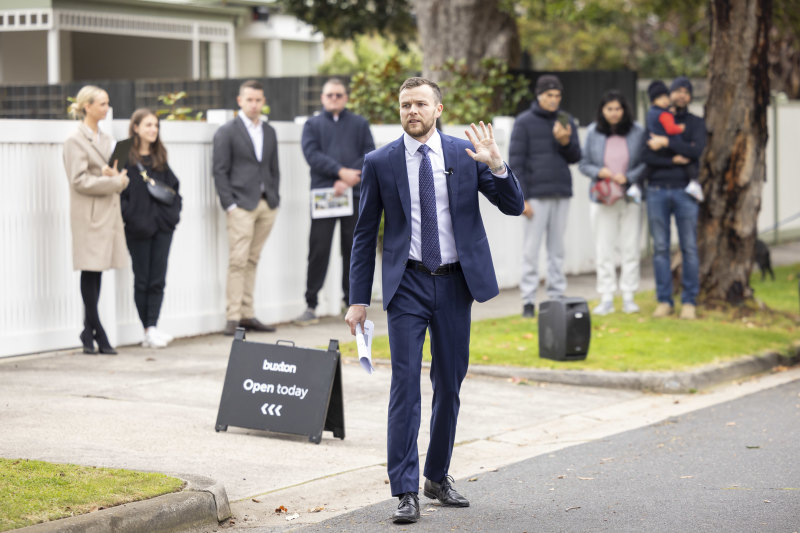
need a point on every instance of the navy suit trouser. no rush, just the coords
(442, 304)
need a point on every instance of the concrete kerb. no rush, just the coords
(203, 502)
(659, 382)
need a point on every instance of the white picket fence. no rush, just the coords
(40, 304)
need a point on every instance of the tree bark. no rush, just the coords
(464, 29)
(733, 168)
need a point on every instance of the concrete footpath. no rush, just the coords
(155, 410)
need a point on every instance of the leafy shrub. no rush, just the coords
(468, 97)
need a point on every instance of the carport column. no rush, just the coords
(274, 55)
(195, 51)
(53, 56)
(232, 70)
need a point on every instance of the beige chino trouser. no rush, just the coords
(247, 233)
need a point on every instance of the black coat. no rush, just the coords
(144, 215)
(690, 144)
(537, 159)
(329, 145)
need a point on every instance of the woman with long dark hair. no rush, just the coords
(613, 152)
(149, 222)
(98, 241)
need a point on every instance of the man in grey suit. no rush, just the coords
(245, 166)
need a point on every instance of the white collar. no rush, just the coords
(434, 143)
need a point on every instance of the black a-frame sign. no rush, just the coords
(282, 388)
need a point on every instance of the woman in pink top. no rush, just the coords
(612, 152)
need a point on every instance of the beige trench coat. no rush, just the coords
(98, 235)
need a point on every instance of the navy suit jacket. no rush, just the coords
(384, 189)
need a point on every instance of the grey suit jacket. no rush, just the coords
(238, 175)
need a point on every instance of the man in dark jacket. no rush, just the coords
(247, 177)
(668, 160)
(544, 142)
(334, 144)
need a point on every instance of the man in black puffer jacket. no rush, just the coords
(544, 142)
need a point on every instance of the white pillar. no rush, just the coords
(274, 58)
(232, 70)
(195, 52)
(53, 56)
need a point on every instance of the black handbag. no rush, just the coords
(159, 190)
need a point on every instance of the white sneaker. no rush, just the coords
(151, 341)
(164, 336)
(695, 190)
(606, 307)
(630, 307)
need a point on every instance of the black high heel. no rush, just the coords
(103, 346)
(88, 341)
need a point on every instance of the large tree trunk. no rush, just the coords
(733, 167)
(464, 29)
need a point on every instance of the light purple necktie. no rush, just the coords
(431, 254)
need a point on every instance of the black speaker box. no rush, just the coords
(564, 329)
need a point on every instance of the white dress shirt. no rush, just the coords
(447, 242)
(256, 132)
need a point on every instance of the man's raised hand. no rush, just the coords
(486, 150)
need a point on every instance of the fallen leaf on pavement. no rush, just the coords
(292, 517)
(767, 501)
(473, 479)
(257, 501)
(318, 509)
(753, 447)
(572, 508)
(281, 509)
(562, 476)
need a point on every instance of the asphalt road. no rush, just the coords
(730, 467)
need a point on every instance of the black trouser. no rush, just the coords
(149, 261)
(319, 252)
(90, 292)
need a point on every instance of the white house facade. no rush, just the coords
(55, 41)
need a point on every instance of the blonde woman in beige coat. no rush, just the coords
(98, 237)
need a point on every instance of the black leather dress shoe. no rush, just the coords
(407, 510)
(445, 493)
(230, 327)
(254, 324)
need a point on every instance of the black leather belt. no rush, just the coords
(443, 270)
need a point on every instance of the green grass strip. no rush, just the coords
(36, 491)
(641, 343)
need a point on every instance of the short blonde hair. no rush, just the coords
(85, 96)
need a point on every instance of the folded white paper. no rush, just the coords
(364, 344)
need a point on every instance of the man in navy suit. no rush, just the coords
(436, 261)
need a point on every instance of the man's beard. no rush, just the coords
(421, 127)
